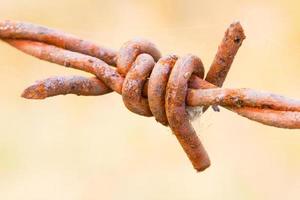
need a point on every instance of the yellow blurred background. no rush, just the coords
(90, 148)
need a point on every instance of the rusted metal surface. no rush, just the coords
(224, 57)
(67, 58)
(176, 109)
(133, 85)
(60, 85)
(130, 51)
(151, 84)
(266, 108)
(280, 119)
(242, 98)
(27, 31)
(157, 87)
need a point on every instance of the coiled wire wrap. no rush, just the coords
(150, 84)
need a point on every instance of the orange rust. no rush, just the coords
(224, 57)
(79, 61)
(157, 87)
(176, 109)
(266, 108)
(280, 119)
(242, 98)
(27, 31)
(60, 85)
(131, 49)
(137, 71)
(133, 85)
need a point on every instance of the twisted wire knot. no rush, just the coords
(150, 84)
(167, 89)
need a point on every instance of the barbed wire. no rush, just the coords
(168, 88)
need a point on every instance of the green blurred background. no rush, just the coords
(88, 148)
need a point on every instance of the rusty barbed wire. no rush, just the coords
(170, 88)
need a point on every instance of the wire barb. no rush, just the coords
(151, 85)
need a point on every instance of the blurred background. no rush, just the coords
(88, 148)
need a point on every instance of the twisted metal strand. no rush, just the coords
(27, 31)
(151, 85)
(135, 61)
(54, 86)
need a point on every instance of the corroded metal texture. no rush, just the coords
(66, 85)
(228, 48)
(164, 87)
(157, 87)
(27, 31)
(176, 109)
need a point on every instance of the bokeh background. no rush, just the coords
(88, 148)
